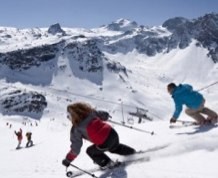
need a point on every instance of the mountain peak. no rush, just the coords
(173, 23)
(55, 28)
(122, 25)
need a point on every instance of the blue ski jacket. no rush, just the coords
(184, 94)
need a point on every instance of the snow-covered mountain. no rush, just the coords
(122, 25)
(122, 56)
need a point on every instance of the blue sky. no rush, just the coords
(94, 13)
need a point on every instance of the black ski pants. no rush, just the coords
(112, 145)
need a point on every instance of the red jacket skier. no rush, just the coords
(19, 137)
(90, 124)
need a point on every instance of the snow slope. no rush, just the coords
(187, 152)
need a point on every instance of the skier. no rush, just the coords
(90, 125)
(19, 138)
(183, 94)
(29, 139)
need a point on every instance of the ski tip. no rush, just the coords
(139, 152)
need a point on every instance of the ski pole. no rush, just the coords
(93, 175)
(130, 127)
(203, 88)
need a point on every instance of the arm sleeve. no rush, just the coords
(76, 142)
(178, 109)
(70, 156)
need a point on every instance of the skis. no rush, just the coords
(118, 166)
(21, 147)
(138, 157)
(190, 123)
(174, 126)
(119, 171)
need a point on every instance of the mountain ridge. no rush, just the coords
(99, 58)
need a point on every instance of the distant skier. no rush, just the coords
(183, 94)
(90, 124)
(19, 138)
(29, 139)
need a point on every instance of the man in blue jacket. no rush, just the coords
(183, 94)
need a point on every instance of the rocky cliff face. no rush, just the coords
(88, 53)
(203, 29)
(56, 29)
(25, 59)
(177, 32)
(19, 102)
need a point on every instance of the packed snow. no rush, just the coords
(178, 153)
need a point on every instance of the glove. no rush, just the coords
(66, 162)
(103, 115)
(172, 120)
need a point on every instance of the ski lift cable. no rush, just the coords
(106, 101)
(93, 98)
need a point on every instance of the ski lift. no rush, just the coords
(130, 120)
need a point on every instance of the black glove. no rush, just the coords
(66, 162)
(172, 120)
(103, 115)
